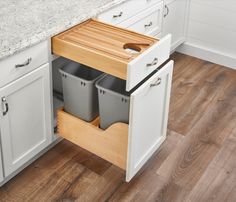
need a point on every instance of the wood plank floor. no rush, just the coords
(196, 163)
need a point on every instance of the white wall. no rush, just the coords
(211, 33)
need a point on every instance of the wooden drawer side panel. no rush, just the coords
(110, 144)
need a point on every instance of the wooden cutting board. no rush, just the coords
(101, 46)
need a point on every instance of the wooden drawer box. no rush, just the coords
(116, 51)
(127, 146)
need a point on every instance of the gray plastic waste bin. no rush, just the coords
(56, 66)
(114, 101)
(79, 91)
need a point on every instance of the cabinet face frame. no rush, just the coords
(15, 156)
(1, 166)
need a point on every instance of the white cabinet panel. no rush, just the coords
(25, 118)
(140, 68)
(174, 20)
(149, 107)
(23, 62)
(148, 22)
(1, 168)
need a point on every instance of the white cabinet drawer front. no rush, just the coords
(142, 66)
(125, 11)
(17, 65)
(115, 15)
(149, 107)
(148, 22)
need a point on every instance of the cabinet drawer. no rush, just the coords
(125, 11)
(23, 62)
(127, 146)
(111, 50)
(148, 22)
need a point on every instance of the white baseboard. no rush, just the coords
(175, 45)
(208, 55)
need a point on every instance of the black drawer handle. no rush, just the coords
(119, 15)
(148, 25)
(167, 11)
(157, 83)
(27, 62)
(5, 105)
(153, 63)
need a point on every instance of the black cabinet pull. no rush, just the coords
(119, 15)
(167, 11)
(26, 63)
(5, 105)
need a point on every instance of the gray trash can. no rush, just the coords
(114, 101)
(79, 91)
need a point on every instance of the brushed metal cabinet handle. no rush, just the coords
(119, 15)
(148, 25)
(27, 62)
(167, 11)
(157, 83)
(153, 63)
(5, 105)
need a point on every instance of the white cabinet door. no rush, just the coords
(174, 20)
(25, 118)
(149, 107)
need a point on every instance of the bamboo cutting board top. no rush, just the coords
(106, 39)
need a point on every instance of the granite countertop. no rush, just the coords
(24, 23)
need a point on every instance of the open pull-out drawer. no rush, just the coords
(127, 146)
(116, 51)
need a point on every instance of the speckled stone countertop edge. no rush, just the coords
(47, 34)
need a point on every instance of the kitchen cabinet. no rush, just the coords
(174, 20)
(127, 146)
(25, 118)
